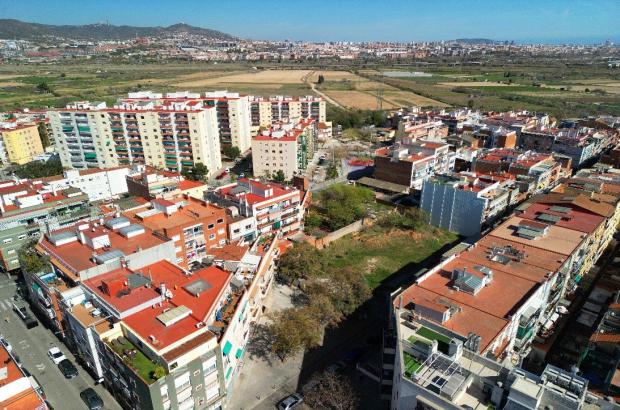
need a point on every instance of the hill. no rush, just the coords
(20, 30)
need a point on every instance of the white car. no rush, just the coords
(56, 355)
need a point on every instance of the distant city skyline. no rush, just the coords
(527, 21)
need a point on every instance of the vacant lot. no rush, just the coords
(358, 99)
(381, 252)
(406, 98)
(262, 77)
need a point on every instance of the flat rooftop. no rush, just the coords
(193, 296)
(560, 240)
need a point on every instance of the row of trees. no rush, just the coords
(327, 295)
(38, 169)
(355, 118)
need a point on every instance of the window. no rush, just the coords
(220, 221)
(210, 226)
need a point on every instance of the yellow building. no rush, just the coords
(19, 144)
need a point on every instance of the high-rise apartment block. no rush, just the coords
(19, 143)
(285, 147)
(266, 111)
(169, 133)
(233, 117)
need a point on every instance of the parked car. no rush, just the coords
(56, 355)
(67, 369)
(6, 344)
(92, 399)
(290, 402)
(25, 316)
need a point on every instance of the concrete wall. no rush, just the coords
(320, 243)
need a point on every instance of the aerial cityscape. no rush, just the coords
(328, 205)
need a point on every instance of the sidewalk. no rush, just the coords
(262, 382)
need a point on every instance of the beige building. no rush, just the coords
(233, 116)
(19, 143)
(266, 111)
(147, 129)
(285, 146)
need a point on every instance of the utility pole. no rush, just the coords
(379, 99)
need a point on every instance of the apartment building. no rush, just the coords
(148, 334)
(581, 144)
(286, 147)
(410, 165)
(544, 169)
(28, 208)
(18, 390)
(233, 117)
(87, 250)
(194, 226)
(149, 183)
(20, 143)
(266, 111)
(464, 202)
(167, 133)
(98, 184)
(274, 207)
(502, 296)
(434, 369)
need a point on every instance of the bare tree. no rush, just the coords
(331, 392)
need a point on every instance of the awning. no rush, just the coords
(227, 348)
(239, 353)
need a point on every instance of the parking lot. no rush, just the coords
(31, 345)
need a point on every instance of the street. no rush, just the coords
(31, 345)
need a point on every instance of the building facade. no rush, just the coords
(19, 143)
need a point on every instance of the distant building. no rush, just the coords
(266, 111)
(19, 142)
(148, 182)
(233, 118)
(167, 133)
(98, 184)
(410, 165)
(286, 147)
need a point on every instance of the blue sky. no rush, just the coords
(347, 20)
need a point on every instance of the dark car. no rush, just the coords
(68, 369)
(92, 399)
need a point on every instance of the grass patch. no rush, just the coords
(142, 365)
(380, 252)
(412, 364)
(432, 335)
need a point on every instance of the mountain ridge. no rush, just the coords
(12, 29)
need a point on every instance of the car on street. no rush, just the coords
(6, 344)
(56, 355)
(92, 399)
(25, 316)
(290, 402)
(67, 369)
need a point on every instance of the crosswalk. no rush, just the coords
(6, 305)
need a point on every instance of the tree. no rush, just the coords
(300, 262)
(39, 169)
(30, 260)
(321, 79)
(45, 140)
(232, 152)
(345, 204)
(332, 391)
(196, 173)
(279, 176)
(332, 171)
(292, 330)
(158, 372)
(43, 87)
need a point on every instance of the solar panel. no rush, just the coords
(174, 315)
(137, 280)
(528, 233)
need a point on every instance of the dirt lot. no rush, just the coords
(475, 84)
(261, 77)
(400, 98)
(358, 99)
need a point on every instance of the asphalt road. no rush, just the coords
(31, 345)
